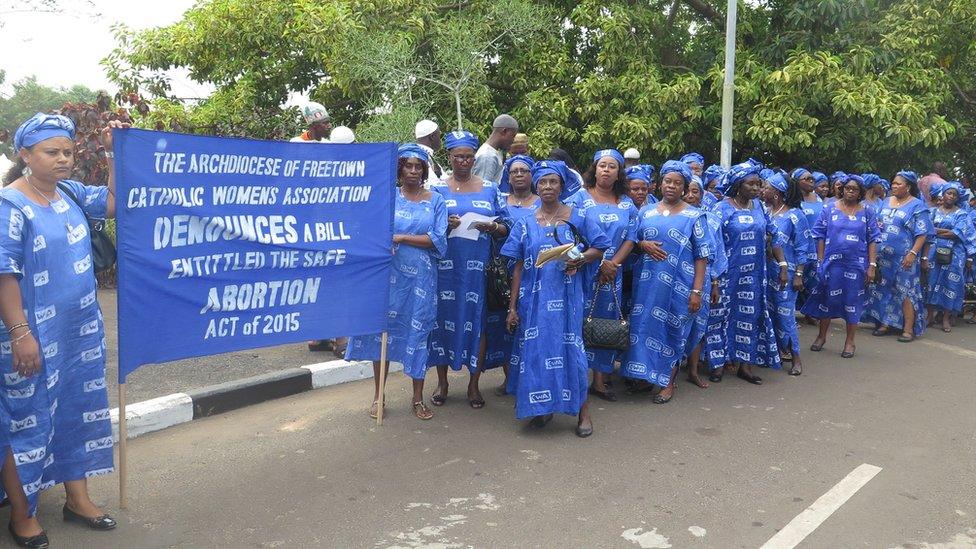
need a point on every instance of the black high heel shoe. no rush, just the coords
(100, 523)
(39, 541)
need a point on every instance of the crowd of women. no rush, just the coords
(625, 271)
(687, 265)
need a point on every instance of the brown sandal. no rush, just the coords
(374, 409)
(422, 411)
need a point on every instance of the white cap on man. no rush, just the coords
(314, 112)
(632, 154)
(342, 134)
(424, 128)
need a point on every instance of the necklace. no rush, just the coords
(779, 210)
(413, 197)
(899, 202)
(521, 200)
(458, 183)
(665, 209)
(50, 203)
(548, 222)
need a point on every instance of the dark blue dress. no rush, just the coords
(840, 290)
(797, 244)
(947, 283)
(549, 373)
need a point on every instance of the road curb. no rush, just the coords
(167, 411)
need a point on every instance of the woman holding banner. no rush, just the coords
(54, 357)
(458, 340)
(549, 367)
(419, 239)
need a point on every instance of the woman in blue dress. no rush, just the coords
(549, 369)
(837, 181)
(419, 239)
(640, 179)
(746, 231)
(52, 336)
(669, 289)
(603, 199)
(875, 192)
(717, 264)
(521, 201)
(811, 204)
(458, 339)
(895, 300)
(846, 234)
(950, 256)
(783, 199)
(821, 185)
(695, 162)
(711, 178)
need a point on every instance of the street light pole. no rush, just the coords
(728, 87)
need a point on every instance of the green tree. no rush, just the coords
(29, 97)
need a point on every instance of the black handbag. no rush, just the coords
(943, 255)
(499, 284)
(102, 247)
(606, 333)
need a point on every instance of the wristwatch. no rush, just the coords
(697, 292)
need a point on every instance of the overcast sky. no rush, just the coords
(65, 49)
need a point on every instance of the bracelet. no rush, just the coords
(697, 292)
(11, 329)
(913, 252)
(109, 154)
(873, 264)
(782, 264)
(17, 339)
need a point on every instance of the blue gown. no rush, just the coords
(718, 263)
(840, 290)
(748, 329)
(500, 341)
(59, 427)
(811, 210)
(793, 226)
(618, 222)
(900, 227)
(549, 373)
(461, 283)
(947, 283)
(660, 322)
(413, 288)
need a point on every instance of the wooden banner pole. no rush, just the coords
(383, 368)
(123, 455)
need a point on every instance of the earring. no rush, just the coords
(26, 171)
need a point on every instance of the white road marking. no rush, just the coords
(697, 531)
(646, 540)
(950, 348)
(812, 517)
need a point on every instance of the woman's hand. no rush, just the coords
(925, 264)
(608, 272)
(453, 221)
(872, 270)
(486, 226)
(512, 321)
(653, 249)
(798, 282)
(573, 265)
(908, 262)
(969, 266)
(694, 302)
(26, 356)
(784, 276)
(715, 295)
(105, 134)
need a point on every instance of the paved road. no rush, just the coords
(182, 375)
(723, 467)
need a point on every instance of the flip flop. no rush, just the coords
(795, 370)
(755, 380)
(658, 399)
(716, 378)
(476, 403)
(817, 348)
(608, 395)
(438, 399)
(906, 338)
(850, 354)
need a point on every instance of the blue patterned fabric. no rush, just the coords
(59, 427)
(797, 245)
(461, 282)
(619, 223)
(748, 329)
(41, 127)
(549, 370)
(711, 316)
(840, 290)
(523, 159)
(413, 150)
(947, 283)
(460, 138)
(900, 227)
(660, 320)
(413, 287)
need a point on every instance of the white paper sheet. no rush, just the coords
(466, 228)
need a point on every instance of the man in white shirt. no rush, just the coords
(319, 124)
(429, 138)
(489, 159)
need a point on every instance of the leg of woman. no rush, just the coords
(666, 393)
(822, 335)
(929, 315)
(908, 330)
(502, 389)
(474, 391)
(374, 408)
(78, 500)
(693, 359)
(797, 367)
(849, 346)
(23, 524)
(419, 408)
(440, 395)
(585, 426)
(946, 320)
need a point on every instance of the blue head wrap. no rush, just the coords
(909, 176)
(412, 150)
(935, 190)
(610, 152)
(838, 176)
(639, 172)
(693, 157)
(546, 167)
(819, 178)
(651, 170)
(953, 185)
(41, 127)
(503, 185)
(778, 182)
(967, 195)
(798, 173)
(724, 182)
(738, 173)
(460, 138)
(871, 179)
(886, 184)
(856, 178)
(677, 166)
(695, 180)
(711, 173)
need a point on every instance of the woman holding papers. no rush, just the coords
(52, 357)
(603, 199)
(473, 206)
(419, 239)
(549, 367)
(669, 288)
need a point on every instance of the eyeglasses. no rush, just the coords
(519, 171)
(463, 157)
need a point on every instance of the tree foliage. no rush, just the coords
(29, 97)
(852, 84)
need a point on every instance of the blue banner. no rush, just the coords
(228, 244)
